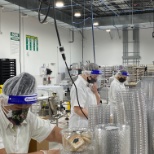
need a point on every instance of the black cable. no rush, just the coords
(55, 23)
(61, 49)
(75, 90)
(64, 58)
(40, 8)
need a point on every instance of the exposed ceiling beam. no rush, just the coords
(103, 21)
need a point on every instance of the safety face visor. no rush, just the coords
(22, 100)
(19, 107)
(96, 72)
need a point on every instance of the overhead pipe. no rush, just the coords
(137, 18)
(82, 43)
(110, 35)
(72, 22)
(34, 4)
(93, 37)
(1, 19)
(116, 29)
(20, 31)
(132, 12)
(153, 26)
(82, 6)
(72, 37)
(109, 7)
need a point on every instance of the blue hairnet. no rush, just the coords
(23, 84)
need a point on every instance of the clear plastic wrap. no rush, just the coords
(147, 84)
(98, 114)
(131, 110)
(112, 139)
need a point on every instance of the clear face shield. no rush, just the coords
(93, 75)
(17, 107)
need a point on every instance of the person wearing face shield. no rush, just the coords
(18, 125)
(117, 85)
(87, 95)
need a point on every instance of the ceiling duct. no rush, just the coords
(32, 5)
(103, 12)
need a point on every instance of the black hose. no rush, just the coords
(63, 56)
(39, 11)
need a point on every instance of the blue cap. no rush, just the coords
(97, 72)
(124, 73)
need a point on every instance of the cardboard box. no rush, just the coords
(35, 146)
(1, 86)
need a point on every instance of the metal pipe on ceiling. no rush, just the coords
(105, 21)
(93, 35)
(109, 8)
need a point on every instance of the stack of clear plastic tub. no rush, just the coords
(112, 139)
(104, 94)
(150, 114)
(131, 110)
(147, 84)
(98, 114)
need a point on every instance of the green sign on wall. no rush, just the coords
(31, 43)
(14, 36)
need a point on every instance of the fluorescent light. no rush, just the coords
(108, 30)
(77, 14)
(96, 24)
(59, 4)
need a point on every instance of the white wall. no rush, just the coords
(48, 53)
(110, 51)
(146, 46)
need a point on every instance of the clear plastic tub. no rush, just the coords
(112, 139)
(77, 139)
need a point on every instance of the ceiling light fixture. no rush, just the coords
(59, 4)
(77, 14)
(108, 30)
(95, 23)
